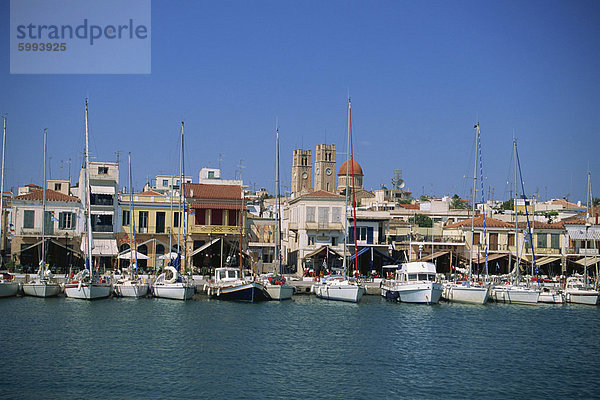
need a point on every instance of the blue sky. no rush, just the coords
(420, 75)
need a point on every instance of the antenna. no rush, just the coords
(397, 180)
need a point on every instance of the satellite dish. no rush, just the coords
(397, 181)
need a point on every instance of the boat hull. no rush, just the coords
(41, 289)
(587, 297)
(127, 289)
(88, 291)
(251, 292)
(421, 293)
(341, 292)
(280, 292)
(515, 295)
(466, 294)
(551, 297)
(8, 289)
(175, 291)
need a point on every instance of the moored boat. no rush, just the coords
(8, 285)
(337, 287)
(577, 292)
(414, 282)
(515, 294)
(229, 284)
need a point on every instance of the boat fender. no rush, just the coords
(204, 288)
(218, 291)
(79, 286)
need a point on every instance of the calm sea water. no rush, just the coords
(304, 348)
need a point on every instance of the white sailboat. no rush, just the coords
(275, 283)
(131, 285)
(8, 285)
(87, 284)
(576, 288)
(171, 284)
(44, 285)
(516, 293)
(337, 287)
(469, 291)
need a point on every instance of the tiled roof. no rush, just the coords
(321, 193)
(206, 191)
(410, 206)
(150, 193)
(33, 185)
(543, 225)
(478, 223)
(51, 195)
(564, 203)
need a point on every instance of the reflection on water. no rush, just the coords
(304, 348)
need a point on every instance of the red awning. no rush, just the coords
(217, 206)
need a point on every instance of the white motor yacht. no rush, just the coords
(577, 292)
(414, 282)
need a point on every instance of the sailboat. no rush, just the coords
(171, 284)
(275, 283)
(8, 285)
(515, 292)
(131, 285)
(470, 291)
(576, 288)
(44, 285)
(87, 284)
(338, 287)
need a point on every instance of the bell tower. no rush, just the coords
(301, 172)
(325, 167)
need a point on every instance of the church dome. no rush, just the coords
(356, 166)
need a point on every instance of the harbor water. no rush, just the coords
(306, 348)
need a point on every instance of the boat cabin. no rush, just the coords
(227, 274)
(416, 272)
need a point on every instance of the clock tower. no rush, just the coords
(301, 172)
(325, 168)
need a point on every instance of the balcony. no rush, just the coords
(215, 229)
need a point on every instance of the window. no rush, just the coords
(57, 187)
(336, 214)
(143, 221)
(66, 220)
(211, 174)
(125, 217)
(511, 239)
(323, 216)
(28, 219)
(102, 170)
(412, 277)
(310, 214)
(334, 241)
(476, 240)
(542, 240)
(176, 219)
(160, 222)
(555, 241)
(311, 240)
(165, 182)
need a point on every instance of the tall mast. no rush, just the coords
(587, 225)
(277, 205)
(2, 192)
(353, 190)
(86, 188)
(132, 239)
(43, 258)
(473, 198)
(182, 203)
(345, 265)
(515, 209)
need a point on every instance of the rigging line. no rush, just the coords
(527, 217)
(485, 242)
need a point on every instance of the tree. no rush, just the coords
(508, 205)
(458, 203)
(421, 220)
(424, 198)
(595, 201)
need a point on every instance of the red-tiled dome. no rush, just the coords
(357, 169)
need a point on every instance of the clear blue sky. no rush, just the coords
(420, 74)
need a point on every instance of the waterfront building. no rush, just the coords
(62, 229)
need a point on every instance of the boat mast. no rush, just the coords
(473, 205)
(515, 210)
(88, 214)
(2, 193)
(353, 190)
(345, 264)
(42, 270)
(182, 200)
(277, 205)
(132, 239)
(587, 226)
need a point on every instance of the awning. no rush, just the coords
(218, 206)
(204, 247)
(102, 247)
(321, 249)
(435, 255)
(360, 252)
(102, 189)
(587, 261)
(130, 255)
(490, 257)
(579, 232)
(545, 260)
